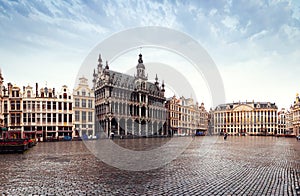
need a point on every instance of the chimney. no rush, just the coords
(36, 89)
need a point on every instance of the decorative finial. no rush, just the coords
(140, 58)
(297, 94)
(100, 59)
(106, 66)
(156, 80)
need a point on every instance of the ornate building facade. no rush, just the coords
(289, 122)
(253, 118)
(35, 113)
(282, 122)
(2, 127)
(47, 114)
(129, 105)
(173, 115)
(295, 110)
(12, 111)
(84, 109)
(186, 118)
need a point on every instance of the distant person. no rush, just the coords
(225, 136)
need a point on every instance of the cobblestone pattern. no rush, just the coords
(238, 166)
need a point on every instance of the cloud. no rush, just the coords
(237, 34)
(230, 22)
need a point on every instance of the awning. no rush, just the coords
(3, 129)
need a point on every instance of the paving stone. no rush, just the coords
(239, 166)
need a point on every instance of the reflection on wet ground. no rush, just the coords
(238, 166)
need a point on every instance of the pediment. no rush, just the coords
(243, 108)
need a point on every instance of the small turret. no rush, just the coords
(163, 87)
(156, 80)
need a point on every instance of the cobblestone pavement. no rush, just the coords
(237, 166)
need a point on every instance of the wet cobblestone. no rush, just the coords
(238, 166)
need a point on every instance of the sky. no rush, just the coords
(255, 44)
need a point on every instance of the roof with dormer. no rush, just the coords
(246, 105)
(122, 80)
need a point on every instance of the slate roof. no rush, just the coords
(126, 81)
(253, 104)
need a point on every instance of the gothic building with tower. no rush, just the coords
(129, 106)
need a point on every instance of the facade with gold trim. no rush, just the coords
(252, 118)
(295, 110)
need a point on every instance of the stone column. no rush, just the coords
(118, 121)
(126, 126)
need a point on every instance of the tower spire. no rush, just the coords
(100, 59)
(156, 80)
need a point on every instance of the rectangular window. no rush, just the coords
(29, 117)
(33, 118)
(18, 116)
(70, 106)
(38, 118)
(90, 117)
(24, 117)
(13, 118)
(54, 105)
(5, 106)
(24, 105)
(83, 116)
(44, 118)
(83, 103)
(65, 118)
(70, 118)
(59, 106)
(65, 106)
(48, 105)
(54, 118)
(49, 117)
(76, 102)
(59, 117)
(33, 105)
(77, 116)
(43, 105)
(90, 104)
(12, 105)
